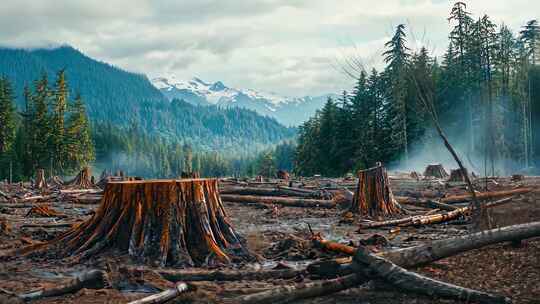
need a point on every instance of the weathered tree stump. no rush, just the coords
(373, 196)
(435, 170)
(41, 182)
(55, 182)
(457, 175)
(282, 174)
(159, 222)
(83, 180)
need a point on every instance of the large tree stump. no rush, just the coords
(373, 196)
(435, 170)
(158, 222)
(41, 182)
(83, 180)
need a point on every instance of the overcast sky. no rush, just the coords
(285, 46)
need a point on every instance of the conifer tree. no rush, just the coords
(58, 140)
(79, 144)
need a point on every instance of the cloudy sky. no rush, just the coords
(291, 47)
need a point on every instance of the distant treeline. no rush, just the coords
(54, 133)
(485, 91)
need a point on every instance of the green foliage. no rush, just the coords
(485, 95)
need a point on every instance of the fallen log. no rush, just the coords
(265, 192)
(376, 267)
(431, 219)
(484, 195)
(425, 203)
(163, 296)
(93, 279)
(407, 257)
(43, 211)
(187, 275)
(284, 201)
(291, 293)
(55, 225)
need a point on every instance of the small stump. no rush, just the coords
(41, 182)
(457, 175)
(159, 222)
(83, 180)
(436, 170)
(373, 196)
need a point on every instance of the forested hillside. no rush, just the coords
(121, 98)
(485, 92)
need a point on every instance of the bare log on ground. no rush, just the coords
(93, 279)
(43, 211)
(376, 267)
(83, 180)
(284, 201)
(373, 196)
(291, 293)
(191, 275)
(436, 170)
(159, 222)
(280, 191)
(425, 203)
(163, 296)
(41, 182)
(432, 218)
(407, 257)
(484, 195)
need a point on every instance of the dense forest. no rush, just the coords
(53, 132)
(115, 96)
(485, 91)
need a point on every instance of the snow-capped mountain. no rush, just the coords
(290, 111)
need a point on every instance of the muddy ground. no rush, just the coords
(280, 235)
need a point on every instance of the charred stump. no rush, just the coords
(373, 196)
(83, 180)
(159, 222)
(41, 182)
(457, 175)
(435, 170)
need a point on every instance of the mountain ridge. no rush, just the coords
(291, 111)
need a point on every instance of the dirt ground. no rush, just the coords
(280, 235)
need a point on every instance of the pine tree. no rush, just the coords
(7, 129)
(40, 125)
(58, 125)
(397, 57)
(79, 145)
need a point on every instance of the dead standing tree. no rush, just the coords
(160, 222)
(373, 196)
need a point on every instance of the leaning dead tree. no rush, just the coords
(373, 196)
(159, 222)
(41, 182)
(83, 180)
(436, 170)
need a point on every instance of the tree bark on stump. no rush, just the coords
(160, 222)
(41, 182)
(83, 180)
(436, 170)
(373, 196)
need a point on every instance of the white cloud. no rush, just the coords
(285, 46)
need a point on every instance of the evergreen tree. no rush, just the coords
(58, 140)
(7, 128)
(79, 145)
